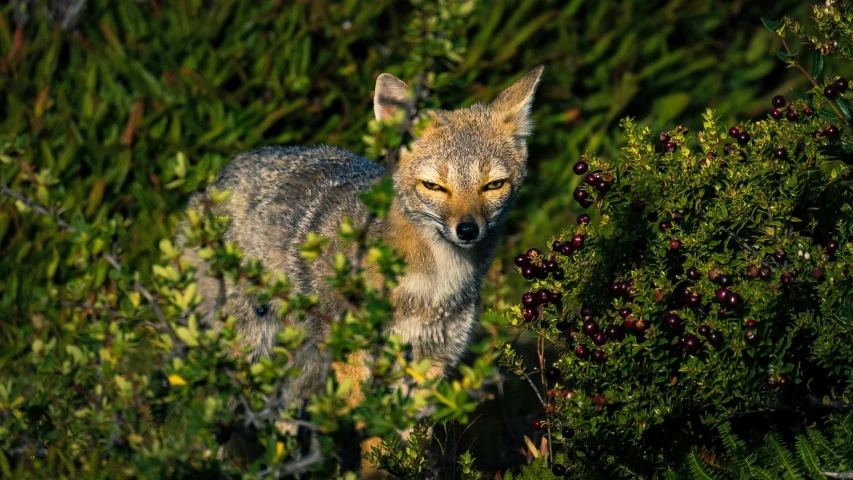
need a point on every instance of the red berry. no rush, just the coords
(791, 115)
(629, 323)
(808, 111)
(779, 101)
(830, 91)
(743, 138)
(693, 273)
(529, 299)
(583, 219)
(581, 352)
(580, 168)
(590, 327)
(734, 132)
(537, 424)
(780, 153)
(841, 84)
(641, 325)
(776, 113)
(529, 314)
(664, 226)
(831, 131)
(847, 176)
(704, 330)
(675, 244)
(751, 324)
(577, 241)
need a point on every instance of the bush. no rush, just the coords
(701, 332)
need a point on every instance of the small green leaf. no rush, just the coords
(771, 25)
(817, 64)
(844, 107)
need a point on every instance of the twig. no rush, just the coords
(6, 191)
(837, 474)
(538, 395)
(732, 234)
(814, 82)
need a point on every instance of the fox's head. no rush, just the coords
(461, 174)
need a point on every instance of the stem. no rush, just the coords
(733, 235)
(533, 386)
(837, 474)
(814, 82)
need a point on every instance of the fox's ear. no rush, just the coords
(389, 97)
(513, 105)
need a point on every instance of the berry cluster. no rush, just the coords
(791, 114)
(534, 265)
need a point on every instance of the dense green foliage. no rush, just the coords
(107, 127)
(716, 286)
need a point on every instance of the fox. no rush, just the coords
(453, 185)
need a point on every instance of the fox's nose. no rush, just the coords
(467, 231)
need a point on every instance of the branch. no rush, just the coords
(814, 82)
(732, 234)
(538, 395)
(4, 190)
(838, 474)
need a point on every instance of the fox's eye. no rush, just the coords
(433, 186)
(497, 184)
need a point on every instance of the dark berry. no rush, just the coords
(580, 194)
(743, 138)
(598, 338)
(529, 271)
(529, 299)
(783, 382)
(693, 273)
(543, 296)
(549, 265)
(581, 352)
(830, 91)
(780, 153)
(583, 219)
(776, 113)
(566, 248)
(629, 323)
(638, 206)
(552, 374)
(580, 168)
(791, 115)
(847, 176)
(682, 340)
(558, 469)
(590, 327)
(675, 244)
(592, 178)
(558, 274)
(641, 325)
(808, 111)
(585, 204)
(664, 226)
(614, 332)
(779, 101)
(691, 343)
(723, 295)
(593, 454)
(765, 272)
(624, 311)
(663, 137)
(669, 147)
(577, 241)
(563, 325)
(779, 256)
(606, 470)
(533, 252)
(529, 314)
(831, 246)
(704, 330)
(652, 216)
(598, 356)
(677, 217)
(734, 300)
(841, 84)
(734, 132)
(750, 337)
(787, 279)
(586, 311)
(750, 324)
(521, 260)
(555, 246)
(568, 432)
(715, 338)
(673, 321)
(724, 280)
(555, 298)
(541, 273)
(537, 424)
(831, 131)
(603, 186)
(694, 300)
